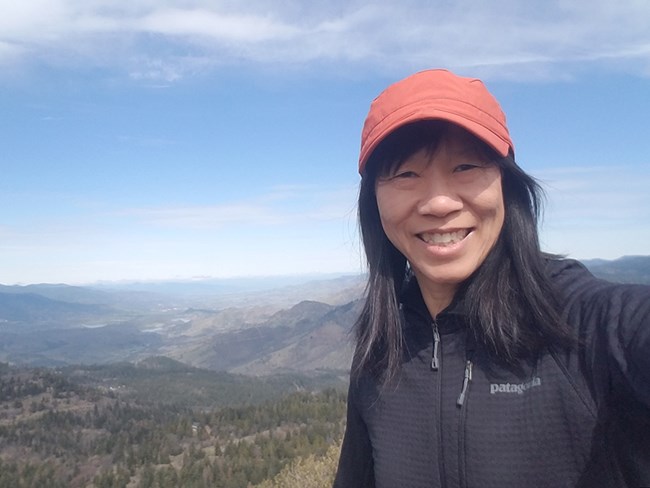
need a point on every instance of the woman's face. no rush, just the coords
(443, 211)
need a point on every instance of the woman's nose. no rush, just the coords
(439, 199)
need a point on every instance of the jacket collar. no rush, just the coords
(411, 300)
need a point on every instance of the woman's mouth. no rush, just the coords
(444, 238)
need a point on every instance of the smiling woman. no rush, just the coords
(442, 207)
(481, 360)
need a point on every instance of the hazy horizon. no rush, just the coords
(273, 280)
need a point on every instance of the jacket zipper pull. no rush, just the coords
(467, 378)
(435, 361)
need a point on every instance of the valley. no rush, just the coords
(255, 332)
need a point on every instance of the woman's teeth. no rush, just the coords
(445, 239)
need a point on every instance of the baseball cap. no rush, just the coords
(436, 94)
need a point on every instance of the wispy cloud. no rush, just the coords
(10, 52)
(289, 229)
(287, 205)
(169, 40)
(197, 23)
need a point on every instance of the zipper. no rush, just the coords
(436, 365)
(435, 360)
(462, 404)
(466, 379)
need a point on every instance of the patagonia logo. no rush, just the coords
(518, 388)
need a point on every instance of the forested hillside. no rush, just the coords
(56, 432)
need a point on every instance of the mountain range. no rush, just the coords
(286, 328)
(252, 332)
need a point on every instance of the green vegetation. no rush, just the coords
(311, 472)
(165, 381)
(59, 432)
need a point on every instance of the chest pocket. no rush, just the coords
(535, 426)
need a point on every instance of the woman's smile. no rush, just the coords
(444, 239)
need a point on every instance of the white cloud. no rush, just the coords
(204, 23)
(507, 38)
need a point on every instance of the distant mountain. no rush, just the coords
(628, 269)
(246, 291)
(326, 345)
(307, 337)
(32, 310)
(60, 346)
(295, 328)
(61, 292)
(126, 301)
(302, 315)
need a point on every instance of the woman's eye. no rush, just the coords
(405, 174)
(466, 167)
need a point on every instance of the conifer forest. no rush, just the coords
(74, 428)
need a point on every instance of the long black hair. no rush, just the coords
(508, 301)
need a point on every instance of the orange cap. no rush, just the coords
(436, 94)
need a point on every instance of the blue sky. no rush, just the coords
(180, 139)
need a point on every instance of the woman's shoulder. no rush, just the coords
(570, 277)
(588, 300)
(566, 270)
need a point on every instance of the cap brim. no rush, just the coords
(397, 120)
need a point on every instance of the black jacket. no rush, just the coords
(576, 419)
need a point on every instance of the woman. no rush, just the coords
(481, 361)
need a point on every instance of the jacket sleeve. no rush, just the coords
(628, 339)
(612, 322)
(624, 313)
(355, 469)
